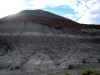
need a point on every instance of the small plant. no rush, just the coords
(39, 55)
(83, 60)
(17, 67)
(98, 60)
(95, 72)
(86, 72)
(58, 63)
(70, 66)
(11, 69)
(67, 73)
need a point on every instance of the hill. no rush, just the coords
(39, 42)
(47, 18)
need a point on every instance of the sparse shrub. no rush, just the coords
(83, 60)
(98, 60)
(11, 69)
(86, 72)
(58, 63)
(70, 66)
(56, 27)
(39, 55)
(67, 73)
(95, 72)
(17, 67)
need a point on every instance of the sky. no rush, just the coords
(82, 11)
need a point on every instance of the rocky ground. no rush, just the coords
(36, 49)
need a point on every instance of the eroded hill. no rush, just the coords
(46, 43)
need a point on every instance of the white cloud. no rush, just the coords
(87, 11)
(52, 3)
(70, 16)
(8, 7)
(91, 15)
(38, 4)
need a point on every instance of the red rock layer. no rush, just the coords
(53, 22)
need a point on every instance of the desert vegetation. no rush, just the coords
(83, 60)
(98, 60)
(90, 72)
(15, 68)
(67, 73)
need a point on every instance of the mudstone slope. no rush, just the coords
(40, 42)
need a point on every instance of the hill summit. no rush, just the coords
(47, 18)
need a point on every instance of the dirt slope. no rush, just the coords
(38, 42)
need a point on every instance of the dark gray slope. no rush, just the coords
(34, 13)
(39, 12)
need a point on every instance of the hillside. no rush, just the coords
(46, 18)
(39, 42)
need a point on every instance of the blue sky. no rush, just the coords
(82, 11)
